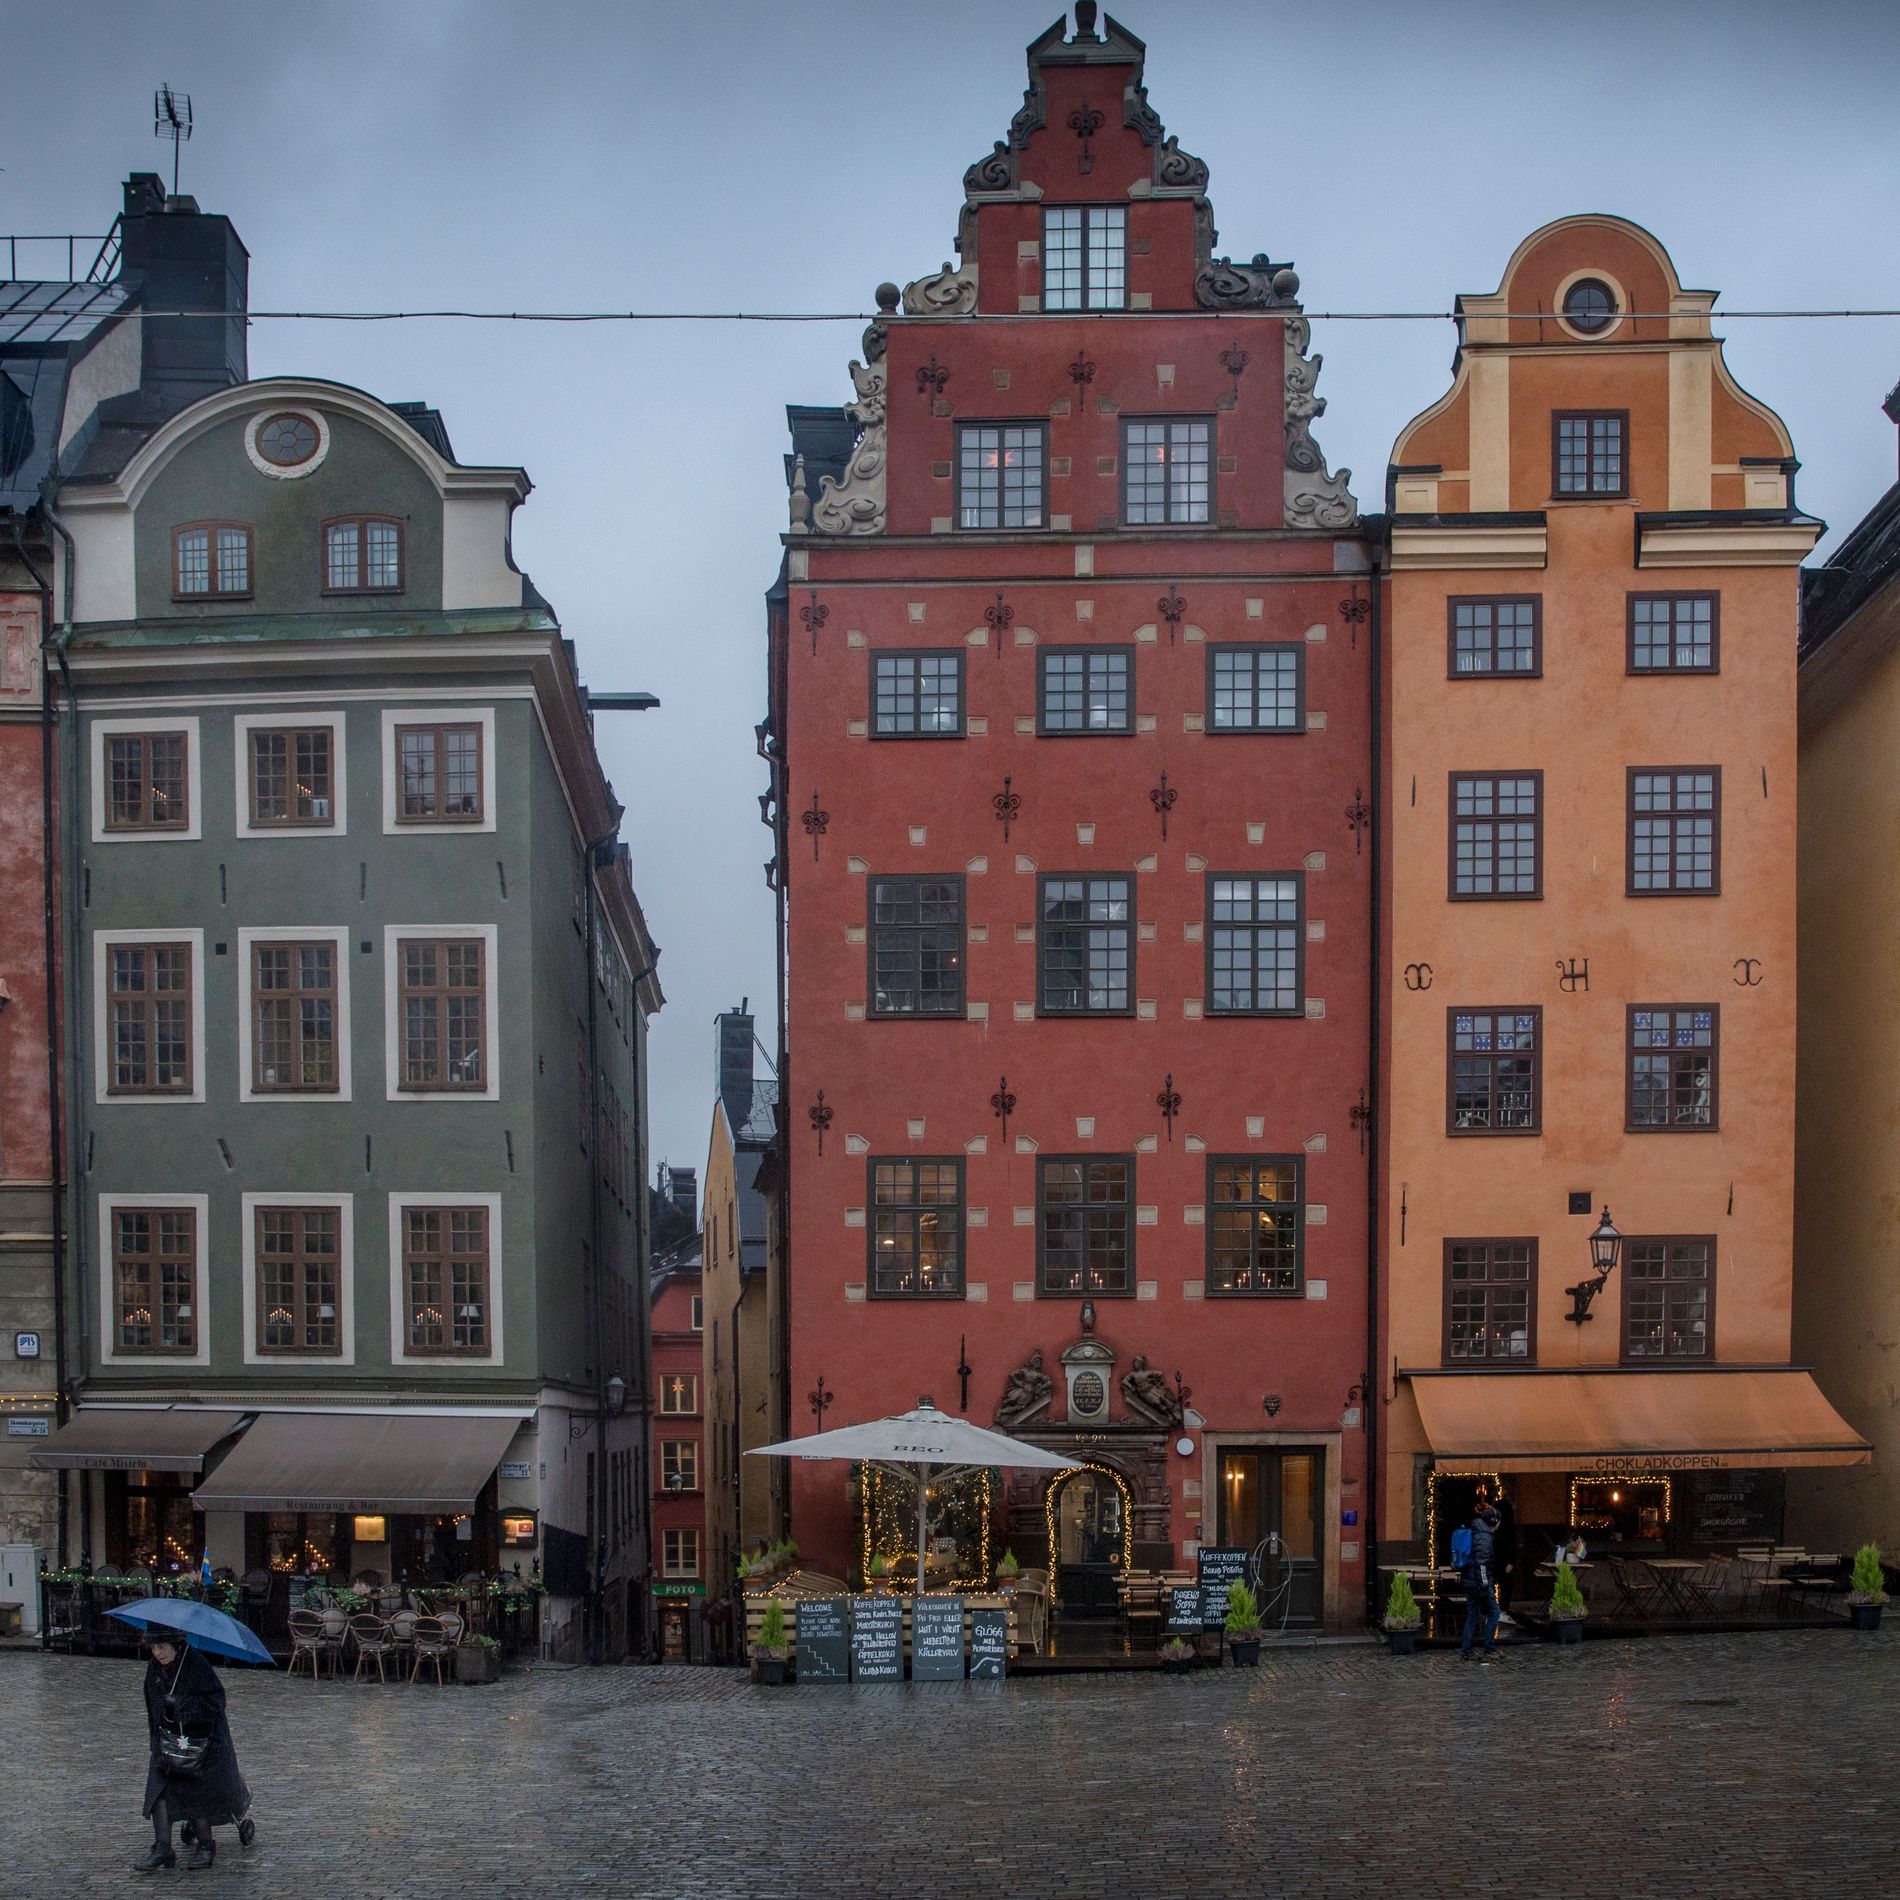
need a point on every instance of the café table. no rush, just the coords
(1672, 1576)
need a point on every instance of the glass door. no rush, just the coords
(1270, 1505)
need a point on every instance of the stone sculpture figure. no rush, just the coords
(1028, 1392)
(1147, 1394)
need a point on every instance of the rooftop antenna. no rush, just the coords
(171, 119)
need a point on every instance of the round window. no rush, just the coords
(1590, 305)
(287, 440)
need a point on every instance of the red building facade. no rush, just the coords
(679, 1450)
(1070, 727)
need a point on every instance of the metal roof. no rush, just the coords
(52, 312)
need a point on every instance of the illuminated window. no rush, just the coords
(1490, 1302)
(916, 1229)
(1256, 1223)
(679, 1464)
(299, 1263)
(292, 775)
(155, 1274)
(1085, 1224)
(147, 781)
(1668, 1298)
(679, 1394)
(445, 1280)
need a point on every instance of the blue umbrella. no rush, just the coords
(207, 1628)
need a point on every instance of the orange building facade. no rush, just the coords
(1589, 888)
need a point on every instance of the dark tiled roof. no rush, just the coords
(1863, 565)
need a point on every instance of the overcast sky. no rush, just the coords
(624, 154)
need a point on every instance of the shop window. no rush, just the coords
(1085, 1224)
(1494, 1084)
(1673, 1067)
(1085, 946)
(916, 1229)
(1256, 1224)
(1621, 1510)
(1490, 1302)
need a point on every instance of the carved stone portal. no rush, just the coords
(1028, 1392)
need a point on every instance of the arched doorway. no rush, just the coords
(1090, 1520)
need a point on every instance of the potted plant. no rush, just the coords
(1177, 1656)
(1243, 1627)
(1007, 1572)
(1567, 1607)
(478, 1659)
(773, 1651)
(1401, 1616)
(1866, 1589)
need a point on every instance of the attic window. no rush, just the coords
(288, 440)
(1590, 306)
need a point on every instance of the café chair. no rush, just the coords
(433, 1646)
(402, 1638)
(306, 1641)
(370, 1635)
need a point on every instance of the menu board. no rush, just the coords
(1184, 1607)
(989, 1645)
(1219, 1569)
(824, 1639)
(936, 1639)
(1730, 1507)
(877, 1639)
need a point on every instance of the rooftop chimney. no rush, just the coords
(176, 257)
(735, 1063)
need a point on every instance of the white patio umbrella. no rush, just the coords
(918, 1447)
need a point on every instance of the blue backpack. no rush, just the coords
(1461, 1546)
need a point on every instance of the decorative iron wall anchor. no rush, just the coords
(1081, 370)
(1085, 122)
(1172, 607)
(1360, 1116)
(1233, 360)
(1749, 973)
(1354, 612)
(1162, 799)
(820, 1113)
(814, 614)
(817, 821)
(1573, 974)
(1003, 1103)
(1418, 976)
(1358, 816)
(819, 1399)
(931, 378)
(1169, 1103)
(963, 1372)
(1000, 619)
(1007, 804)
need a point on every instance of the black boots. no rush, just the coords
(202, 1856)
(158, 1855)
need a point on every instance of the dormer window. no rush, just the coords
(1085, 257)
(362, 554)
(211, 560)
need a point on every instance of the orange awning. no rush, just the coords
(1632, 1421)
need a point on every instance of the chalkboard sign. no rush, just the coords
(1218, 1569)
(297, 1586)
(877, 1639)
(1184, 1606)
(1730, 1507)
(824, 1640)
(936, 1639)
(989, 1645)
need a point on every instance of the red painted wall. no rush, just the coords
(25, 1149)
(677, 1347)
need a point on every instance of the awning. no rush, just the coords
(324, 1461)
(110, 1438)
(1632, 1421)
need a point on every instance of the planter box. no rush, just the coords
(1865, 1616)
(771, 1671)
(1245, 1655)
(1569, 1629)
(1402, 1642)
(474, 1663)
(1185, 1667)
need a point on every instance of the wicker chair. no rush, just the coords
(434, 1645)
(306, 1640)
(336, 1633)
(370, 1635)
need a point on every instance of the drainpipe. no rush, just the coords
(50, 952)
(1375, 1380)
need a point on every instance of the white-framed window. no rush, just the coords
(680, 1553)
(441, 1013)
(148, 1016)
(679, 1464)
(445, 1279)
(294, 1013)
(145, 779)
(154, 1304)
(299, 1254)
(438, 768)
(699, 1313)
(679, 1394)
(292, 777)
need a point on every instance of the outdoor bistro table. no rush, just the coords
(1672, 1576)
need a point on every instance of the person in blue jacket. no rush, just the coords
(1480, 1580)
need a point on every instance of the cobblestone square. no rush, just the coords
(1746, 1766)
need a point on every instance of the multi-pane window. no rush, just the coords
(1673, 1051)
(679, 1464)
(155, 1279)
(292, 775)
(1675, 830)
(440, 768)
(1589, 452)
(1668, 1294)
(1085, 946)
(1493, 1084)
(1167, 471)
(1490, 1302)
(1255, 1223)
(211, 561)
(679, 1556)
(299, 1266)
(916, 695)
(916, 1233)
(362, 556)
(442, 996)
(293, 1023)
(1085, 689)
(1674, 633)
(149, 1018)
(1085, 1240)
(1254, 928)
(917, 946)
(1499, 634)
(679, 1394)
(1085, 257)
(147, 781)
(1497, 841)
(445, 1279)
(1000, 468)
(1256, 689)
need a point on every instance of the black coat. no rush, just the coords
(1481, 1565)
(189, 1695)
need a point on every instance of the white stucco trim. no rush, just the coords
(243, 725)
(393, 935)
(335, 934)
(194, 787)
(398, 1331)
(277, 471)
(102, 943)
(109, 1355)
(345, 1206)
(1618, 322)
(483, 716)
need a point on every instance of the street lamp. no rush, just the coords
(1606, 1250)
(616, 1396)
